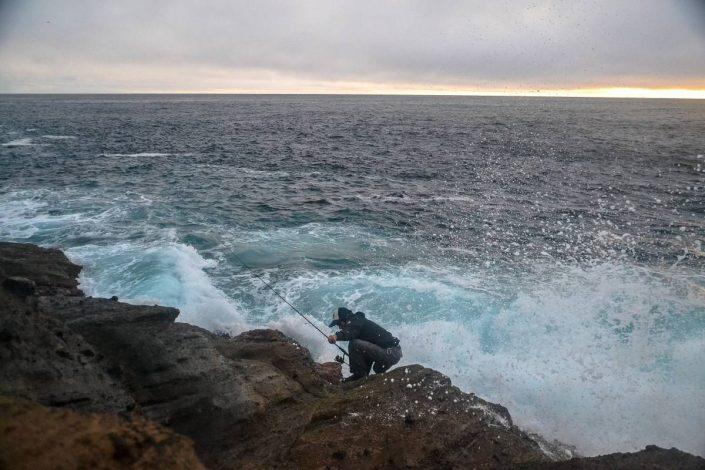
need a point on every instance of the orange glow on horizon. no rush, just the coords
(175, 78)
(616, 92)
(352, 88)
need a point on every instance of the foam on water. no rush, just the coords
(22, 218)
(170, 274)
(140, 154)
(316, 244)
(250, 172)
(24, 142)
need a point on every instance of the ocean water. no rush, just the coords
(546, 254)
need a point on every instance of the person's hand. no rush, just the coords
(332, 339)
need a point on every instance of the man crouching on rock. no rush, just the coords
(368, 344)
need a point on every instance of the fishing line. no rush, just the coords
(289, 304)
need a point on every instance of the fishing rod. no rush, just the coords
(340, 359)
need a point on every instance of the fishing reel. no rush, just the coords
(339, 359)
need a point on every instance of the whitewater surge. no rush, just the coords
(170, 274)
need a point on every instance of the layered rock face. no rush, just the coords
(256, 400)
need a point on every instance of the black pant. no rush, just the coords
(363, 354)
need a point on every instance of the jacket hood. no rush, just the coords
(343, 314)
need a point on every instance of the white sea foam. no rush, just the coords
(59, 137)
(296, 327)
(137, 155)
(406, 199)
(261, 173)
(21, 218)
(24, 142)
(454, 198)
(171, 274)
(313, 242)
(60, 215)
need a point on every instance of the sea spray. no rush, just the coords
(171, 274)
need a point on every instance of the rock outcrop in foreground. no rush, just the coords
(115, 385)
(38, 437)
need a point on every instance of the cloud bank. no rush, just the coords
(334, 45)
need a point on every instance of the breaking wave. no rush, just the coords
(170, 274)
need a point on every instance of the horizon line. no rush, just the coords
(677, 94)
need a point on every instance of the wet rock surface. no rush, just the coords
(49, 269)
(256, 400)
(652, 457)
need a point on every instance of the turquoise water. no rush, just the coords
(543, 253)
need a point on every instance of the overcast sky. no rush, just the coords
(352, 45)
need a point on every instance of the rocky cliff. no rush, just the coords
(118, 385)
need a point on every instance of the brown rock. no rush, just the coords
(332, 372)
(410, 417)
(272, 347)
(651, 458)
(34, 437)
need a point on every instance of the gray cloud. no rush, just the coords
(83, 45)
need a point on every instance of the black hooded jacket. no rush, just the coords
(366, 330)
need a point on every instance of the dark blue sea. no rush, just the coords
(544, 253)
